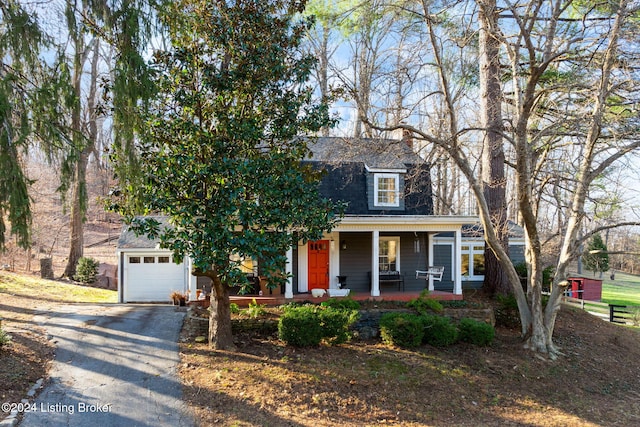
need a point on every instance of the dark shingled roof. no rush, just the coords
(375, 153)
(344, 159)
(476, 230)
(128, 238)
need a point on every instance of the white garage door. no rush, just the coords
(152, 278)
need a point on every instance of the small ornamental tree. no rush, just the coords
(221, 150)
(87, 270)
(596, 258)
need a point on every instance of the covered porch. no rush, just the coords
(375, 257)
(379, 256)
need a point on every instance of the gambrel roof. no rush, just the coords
(351, 165)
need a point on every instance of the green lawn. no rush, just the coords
(24, 285)
(624, 290)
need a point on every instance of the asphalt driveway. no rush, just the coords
(115, 365)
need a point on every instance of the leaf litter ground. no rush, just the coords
(265, 383)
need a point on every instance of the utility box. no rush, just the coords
(585, 288)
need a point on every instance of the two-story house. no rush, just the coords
(388, 225)
(388, 232)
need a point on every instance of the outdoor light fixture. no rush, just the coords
(343, 245)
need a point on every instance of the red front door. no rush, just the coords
(319, 264)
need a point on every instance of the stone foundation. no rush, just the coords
(485, 315)
(197, 324)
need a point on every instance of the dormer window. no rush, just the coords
(387, 189)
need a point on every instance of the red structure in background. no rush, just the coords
(585, 288)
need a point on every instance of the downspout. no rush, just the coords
(121, 278)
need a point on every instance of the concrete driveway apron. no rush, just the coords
(115, 365)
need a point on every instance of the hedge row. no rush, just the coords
(412, 330)
(309, 325)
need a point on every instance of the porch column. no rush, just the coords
(191, 279)
(375, 264)
(430, 259)
(456, 273)
(288, 288)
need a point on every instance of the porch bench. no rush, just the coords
(389, 278)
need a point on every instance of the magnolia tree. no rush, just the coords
(220, 149)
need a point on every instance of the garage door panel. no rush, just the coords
(152, 281)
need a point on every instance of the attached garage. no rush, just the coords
(146, 272)
(151, 277)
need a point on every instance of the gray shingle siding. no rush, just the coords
(346, 183)
(346, 178)
(351, 183)
(417, 191)
(130, 240)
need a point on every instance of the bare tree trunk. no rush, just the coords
(493, 176)
(75, 221)
(323, 72)
(85, 146)
(220, 333)
(76, 216)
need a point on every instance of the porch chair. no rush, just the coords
(435, 272)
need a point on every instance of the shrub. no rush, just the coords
(335, 324)
(300, 326)
(308, 325)
(86, 270)
(547, 275)
(457, 304)
(4, 338)
(235, 309)
(254, 310)
(424, 304)
(438, 331)
(475, 332)
(342, 303)
(401, 329)
(521, 269)
(506, 312)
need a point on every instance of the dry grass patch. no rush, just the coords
(52, 291)
(26, 358)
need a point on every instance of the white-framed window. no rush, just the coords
(386, 189)
(472, 261)
(389, 254)
(247, 265)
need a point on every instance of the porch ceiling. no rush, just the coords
(404, 223)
